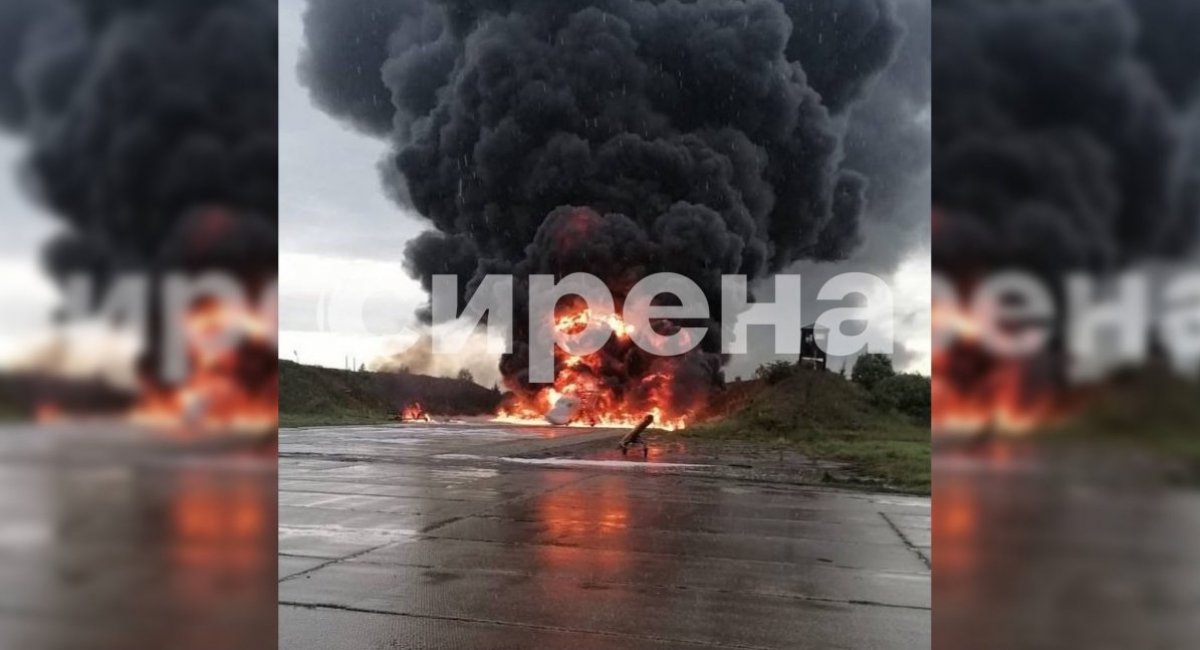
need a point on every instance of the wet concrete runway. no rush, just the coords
(114, 538)
(424, 536)
(1043, 544)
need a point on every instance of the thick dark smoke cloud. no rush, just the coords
(620, 137)
(1166, 42)
(1058, 143)
(1065, 142)
(151, 135)
(888, 141)
(348, 45)
(142, 117)
(16, 19)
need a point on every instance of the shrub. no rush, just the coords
(909, 394)
(870, 369)
(773, 373)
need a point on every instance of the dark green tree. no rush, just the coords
(909, 394)
(775, 372)
(872, 368)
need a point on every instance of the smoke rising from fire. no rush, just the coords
(617, 137)
(151, 129)
(418, 358)
(1059, 139)
(1065, 143)
(888, 140)
(150, 134)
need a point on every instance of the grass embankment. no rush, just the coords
(1153, 410)
(313, 396)
(310, 396)
(10, 413)
(825, 416)
(11, 407)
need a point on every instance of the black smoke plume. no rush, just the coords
(887, 140)
(617, 137)
(1064, 142)
(1059, 137)
(151, 131)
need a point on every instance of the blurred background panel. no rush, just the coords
(138, 184)
(1065, 404)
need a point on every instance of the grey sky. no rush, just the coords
(331, 199)
(25, 292)
(26, 225)
(337, 228)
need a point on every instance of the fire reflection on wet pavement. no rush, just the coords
(424, 536)
(112, 539)
(1043, 545)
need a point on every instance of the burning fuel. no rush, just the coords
(972, 389)
(414, 412)
(580, 396)
(229, 388)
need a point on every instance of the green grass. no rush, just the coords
(314, 389)
(826, 417)
(1152, 410)
(310, 396)
(313, 396)
(819, 414)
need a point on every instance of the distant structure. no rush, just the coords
(812, 343)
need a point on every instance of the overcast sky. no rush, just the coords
(339, 234)
(25, 292)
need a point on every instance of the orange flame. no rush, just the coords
(414, 412)
(215, 396)
(599, 404)
(996, 398)
(48, 413)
